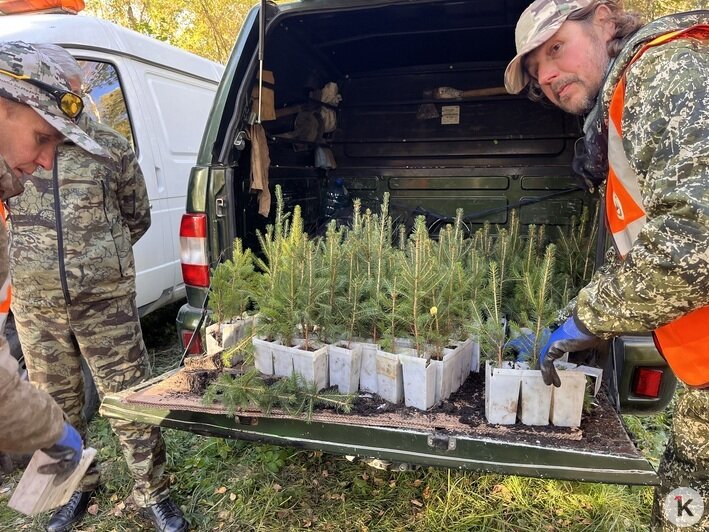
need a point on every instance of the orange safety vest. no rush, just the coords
(685, 341)
(6, 288)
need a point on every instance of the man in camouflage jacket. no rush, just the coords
(37, 112)
(563, 56)
(74, 295)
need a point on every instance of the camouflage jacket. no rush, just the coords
(29, 418)
(72, 230)
(666, 139)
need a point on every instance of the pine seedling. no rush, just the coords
(297, 397)
(237, 393)
(233, 285)
(391, 329)
(293, 395)
(536, 288)
(375, 253)
(418, 281)
(334, 262)
(313, 294)
(490, 324)
(450, 298)
(285, 271)
(576, 244)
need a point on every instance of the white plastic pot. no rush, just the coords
(368, 367)
(345, 365)
(474, 355)
(567, 400)
(230, 333)
(502, 387)
(282, 360)
(455, 364)
(535, 398)
(390, 379)
(419, 376)
(263, 355)
(311, 365)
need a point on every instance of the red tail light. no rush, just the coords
(647, 382)
(196, 347)
(193, 250)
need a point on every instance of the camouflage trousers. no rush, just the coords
(685, 462)
(107, 335)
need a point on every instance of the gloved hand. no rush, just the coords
(568, 338)
(523, 345)
(67, 451)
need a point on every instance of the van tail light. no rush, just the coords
(647, 382)
(196, 347)
(193, 250)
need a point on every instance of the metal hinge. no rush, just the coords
(442, 441)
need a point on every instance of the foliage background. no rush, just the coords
(209, 27)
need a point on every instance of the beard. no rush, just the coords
(586, 85)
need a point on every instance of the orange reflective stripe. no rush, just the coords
(5, 296)
(685, 345)
(685, 341)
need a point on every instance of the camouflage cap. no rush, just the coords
(24, 59)
(535, 26)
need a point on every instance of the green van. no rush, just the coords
(417, 111)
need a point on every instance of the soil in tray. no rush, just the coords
(601, 429)
(463, 413)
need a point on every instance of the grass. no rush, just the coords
(233, 485)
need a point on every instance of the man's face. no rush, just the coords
(570, 66)
(26, 140)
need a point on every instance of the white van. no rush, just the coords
(159, 98)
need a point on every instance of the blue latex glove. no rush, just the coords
(523, 345)
(67, 451)
(568, 338)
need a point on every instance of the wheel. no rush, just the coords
(91, 399)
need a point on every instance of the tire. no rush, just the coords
(91, 399)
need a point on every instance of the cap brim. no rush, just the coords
(516, 78)
(73, 132)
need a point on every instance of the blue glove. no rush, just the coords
(67, 451)
(523, 345)
(568, 338)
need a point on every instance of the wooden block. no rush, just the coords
(36, 492)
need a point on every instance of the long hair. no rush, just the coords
(626, 23)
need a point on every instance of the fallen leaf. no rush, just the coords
(416, 502)
(93, 509)
(417, 482)
(427, 492)
(220, 490)
(277, 487)
(232, 496)
(392, 483)
(307, 523)
(325, 473)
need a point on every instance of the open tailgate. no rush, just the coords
(454, 435)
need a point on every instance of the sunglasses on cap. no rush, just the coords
(71, 104)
